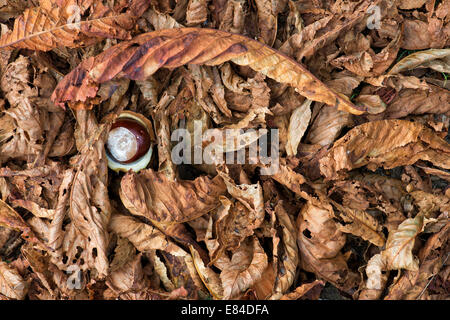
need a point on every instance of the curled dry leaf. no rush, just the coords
(327, 126)
(244, 269)
(210, 279)
(222, 230)
(267, 21)
(88, 202)
(128, 279)
(162, 48)
(251, 196)
(398, 252)
(413, 284)
(408, 4)
(410, 101)
(58, 23)
(386, 143)
(22, 125)
(233, 16)
(196, 12)
(288, 258)
(9, 218)
(320, 242)
(12, 284)
(361, 224)
(419, 58)
(376, 278)
(143, 236)
(362, 60)
(152, 195)
(148, 239)
(298, 123)
(303, 290)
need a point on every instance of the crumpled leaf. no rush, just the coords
(376, 279)
(80, 83)
(419, 35)
(327, 125)
(374, 103)
(413, 284)
(233, 16)
(361, 224)
(408, 4)
(161, 20)
(289, 257)
(196, 12)
(22, 125)
(386, 143)
(303, 290)
(9, 218)
(419, 58)
(129, 279)
(243, 269)
(410, 101)
(250, 195)
(222, 230)
(267, 21)
(12, 284)
(88, 202)
(361, 59)
(320, 242)
(148, 239)
(55, 24)
(152, 195)
(231, 226)
(143, 236)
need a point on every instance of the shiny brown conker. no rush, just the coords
(128, 140)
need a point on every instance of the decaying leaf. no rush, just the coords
(9, 218)
(320, 242)
(302, 291)
(152, 195)
(318, 163)
(243, 269)
(11, 283)
(420, 58)
(58, 23)
(297, 126)
(288, 258)
(398, 253)
(413, 284)
(361, 224)
(80, 83)
(387, 143)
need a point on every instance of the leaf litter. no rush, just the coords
(360, 101)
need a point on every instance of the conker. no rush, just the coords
(128, 140)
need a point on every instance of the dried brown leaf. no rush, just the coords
(12, 284)
(302, 290)
(386, 143)
(417, 59)
(162, 50)
(244, 269)
(320, 242)
(298, 124)
(289, 256)
(361, 224)
(152, 195)
(50, 25)
(9, 218)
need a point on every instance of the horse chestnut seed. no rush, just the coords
(128, 140)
